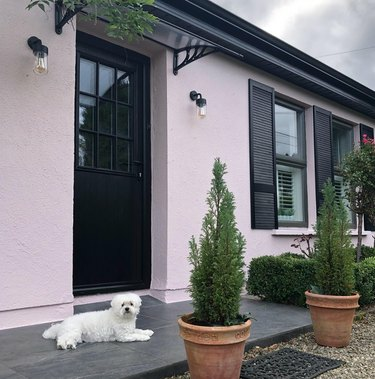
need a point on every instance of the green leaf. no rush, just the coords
(316, 289)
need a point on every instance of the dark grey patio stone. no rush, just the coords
(24, 354)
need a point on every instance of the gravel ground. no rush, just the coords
(359, 356)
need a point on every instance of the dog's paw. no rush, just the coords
(143, 338)
(69, 346)
(148, 332)
(66, 344)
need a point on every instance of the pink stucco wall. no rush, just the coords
(193, 144)
(36, 169)
(36, 163)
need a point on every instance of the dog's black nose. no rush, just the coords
(127, 309)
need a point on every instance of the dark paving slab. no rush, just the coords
(24, 354)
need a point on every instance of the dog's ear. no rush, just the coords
(136, 299)
(115, 301)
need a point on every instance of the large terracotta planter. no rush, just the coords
(214, 352)
(332, 318)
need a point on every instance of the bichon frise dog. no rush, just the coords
(114, 324)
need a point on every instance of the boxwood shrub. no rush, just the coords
(285, 278)
(281, 279)
(365, 280)
(367, 252)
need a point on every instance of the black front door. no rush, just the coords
(111, 179)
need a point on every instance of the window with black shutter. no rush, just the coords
(277, 160)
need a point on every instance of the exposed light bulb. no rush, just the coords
(202, 111)
(41, 63)
(202, 107)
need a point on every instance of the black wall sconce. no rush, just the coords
(201, 103)
(41, 53)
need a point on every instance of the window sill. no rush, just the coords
(292, 231)
(354, 232)
(300, 231)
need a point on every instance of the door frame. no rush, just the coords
(95, 48)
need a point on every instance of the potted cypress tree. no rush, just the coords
(331, 301)
(215, 333)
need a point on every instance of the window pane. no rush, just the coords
(123, 155)
(342, 143)
(106, 81)
(106, 114)
(286, 132)
(290, 202)
(123, 121)
(86, 149)
(87, 112)
(123, 86)
(87, 76)
(340, 194)
(105, 152)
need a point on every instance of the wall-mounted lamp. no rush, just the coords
(41, 53)
(201, 103)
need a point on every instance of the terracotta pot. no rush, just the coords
(332, 318)
(214, 351)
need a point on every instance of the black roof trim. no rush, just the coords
(254, 46)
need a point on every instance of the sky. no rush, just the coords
(340, 33)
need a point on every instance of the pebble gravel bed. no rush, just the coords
(359, 356)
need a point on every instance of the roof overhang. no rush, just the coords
(184, 24)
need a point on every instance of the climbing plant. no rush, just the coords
(126, 19)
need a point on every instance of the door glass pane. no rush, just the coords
(87, 111)
(123, 86)
(106, 115)
(87, 76)
(123, 121)
(105, 152)
(286, 131)
(123, 155)
(106, 81)
(86, 149)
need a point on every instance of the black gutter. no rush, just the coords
(264, 51)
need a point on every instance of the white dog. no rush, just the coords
(114, 324)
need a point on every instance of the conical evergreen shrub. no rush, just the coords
(217, 275)
(333, 247)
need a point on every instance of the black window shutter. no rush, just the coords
(364, 129)
(323, 150)
(262, 156)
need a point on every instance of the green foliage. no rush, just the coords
(358, 171)
(333, 247)
(292, 255)
(281, 279)
(127, 19)
(217, 275)
(284, 278)
(367, 252)
(365, 280)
